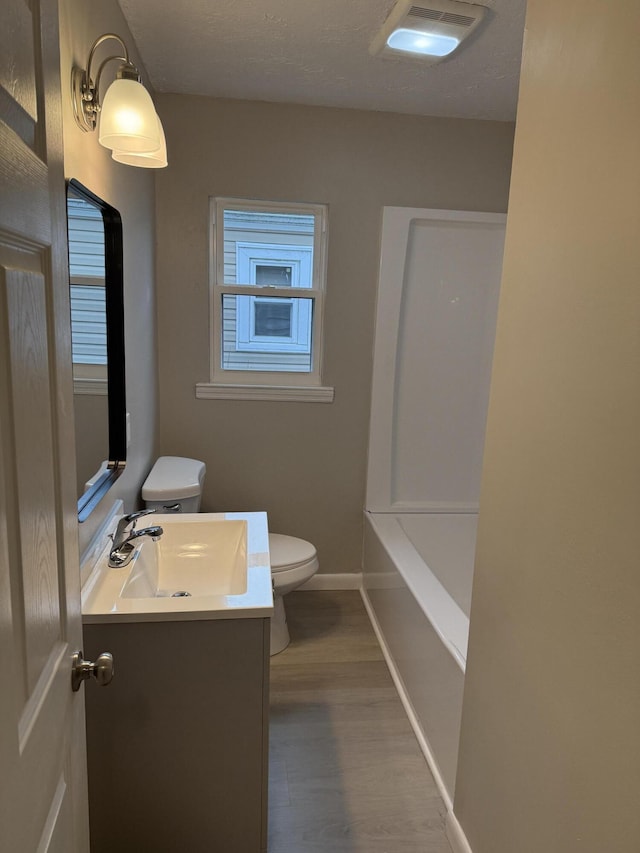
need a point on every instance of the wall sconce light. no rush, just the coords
(147, 160)
(129, 124)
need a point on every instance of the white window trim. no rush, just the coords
(90, 387)
(258, 385)
(282, 393)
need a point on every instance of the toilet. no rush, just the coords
(293, 562)
(175, 484)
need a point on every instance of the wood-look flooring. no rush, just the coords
(346, 772)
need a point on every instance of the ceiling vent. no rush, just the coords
(429, 31)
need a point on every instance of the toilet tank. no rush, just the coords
(174, 484)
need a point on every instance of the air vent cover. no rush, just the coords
(428, 31)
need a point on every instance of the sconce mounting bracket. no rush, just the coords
(83, 98)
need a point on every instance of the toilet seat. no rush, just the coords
(289, 552)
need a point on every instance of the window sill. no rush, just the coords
(92, 387)
(283, 393)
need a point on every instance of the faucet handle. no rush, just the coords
(133, 516)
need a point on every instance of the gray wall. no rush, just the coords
(302, 462)
(550, 748)
(91, 419)
(131, 191)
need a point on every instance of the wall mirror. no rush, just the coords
(97, 336)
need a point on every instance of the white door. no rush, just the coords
(43, 804)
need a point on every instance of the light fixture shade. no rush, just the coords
(420, 41)
(428, 30)
(128, 120)
(153, 160)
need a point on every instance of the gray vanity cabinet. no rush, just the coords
(178, 742)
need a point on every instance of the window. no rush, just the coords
(268, 264)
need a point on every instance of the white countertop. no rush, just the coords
(102, 601)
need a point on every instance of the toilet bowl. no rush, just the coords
(175, 484)
(293, 562)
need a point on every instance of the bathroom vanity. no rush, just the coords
(178, 742)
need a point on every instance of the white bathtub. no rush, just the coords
(417, 576)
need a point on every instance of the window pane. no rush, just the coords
(267, 334)
(89, 324)
(86, 240)
(277, 276)
(87, 277)
(272, 319)
(263, 248)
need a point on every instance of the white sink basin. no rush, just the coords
(220, 559)
(199, 559)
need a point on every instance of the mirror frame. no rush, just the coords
(116, 389)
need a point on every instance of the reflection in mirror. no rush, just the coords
(97, 331)
(89, 337)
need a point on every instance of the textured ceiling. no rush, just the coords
(317, 52)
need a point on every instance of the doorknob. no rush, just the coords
(101, 670)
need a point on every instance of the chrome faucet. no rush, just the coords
(123, 544)
(121, 530)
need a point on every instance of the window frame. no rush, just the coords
(235, 380)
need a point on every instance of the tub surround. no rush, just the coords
(437, 306)
(446, 542)
(438, 293)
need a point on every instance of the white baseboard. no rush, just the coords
(342, 581)
(455, 835)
